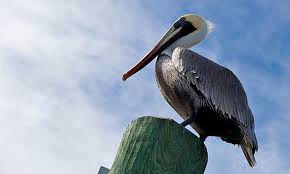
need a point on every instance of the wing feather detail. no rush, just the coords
(222, 89)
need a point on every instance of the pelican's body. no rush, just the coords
(206, 95)
(197, 87)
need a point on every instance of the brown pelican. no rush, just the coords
(206, 95)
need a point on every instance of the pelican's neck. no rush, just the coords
(168, 51)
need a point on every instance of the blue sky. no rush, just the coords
(63, 106)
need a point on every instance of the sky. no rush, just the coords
(64, 107)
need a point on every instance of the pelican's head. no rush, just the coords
(187, 31)
(193, 29)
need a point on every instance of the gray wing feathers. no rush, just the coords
(220, 86)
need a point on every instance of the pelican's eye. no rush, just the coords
(179, 23)
(184, 24)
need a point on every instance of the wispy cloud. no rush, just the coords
(54, 57)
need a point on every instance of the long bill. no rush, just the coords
(171, 36)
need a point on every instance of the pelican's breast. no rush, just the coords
(168, 80)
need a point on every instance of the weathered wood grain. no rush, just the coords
(158, 145)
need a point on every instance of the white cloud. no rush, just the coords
(51, 53)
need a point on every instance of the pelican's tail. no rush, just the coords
(249, 148)
(248, 152)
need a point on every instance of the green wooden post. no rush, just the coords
(158, 145)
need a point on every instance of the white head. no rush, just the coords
(201, 28)
(186, 32)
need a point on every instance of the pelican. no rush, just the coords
(208, 96)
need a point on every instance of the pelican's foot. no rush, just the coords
(187, 121)
(202, 138)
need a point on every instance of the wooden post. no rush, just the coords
(158, 145)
